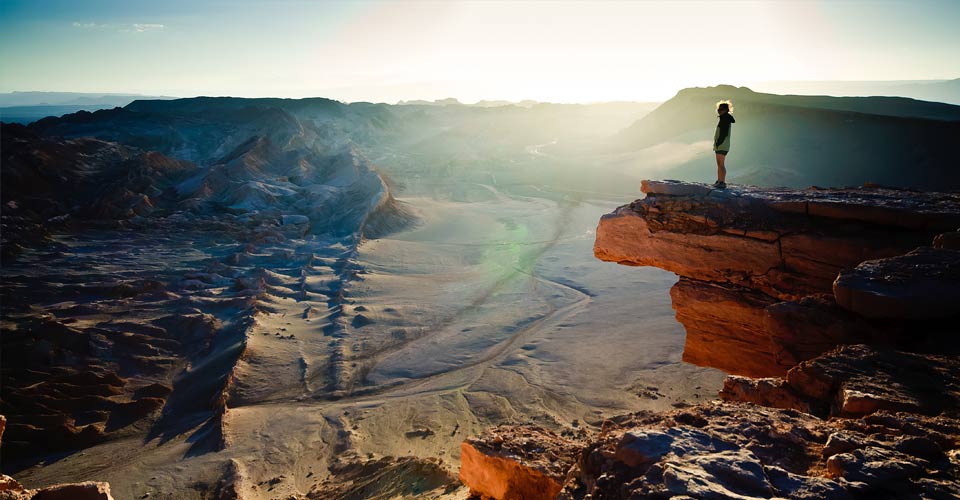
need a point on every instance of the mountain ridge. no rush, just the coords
(798, 141)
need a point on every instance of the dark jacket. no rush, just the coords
(721, 138)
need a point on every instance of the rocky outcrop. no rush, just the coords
(852, 381)
(784, 243)
(757, 266)
(857, 422)
(74, 491)
(11, 489)
(63, 388)
(52, 183)
(756, 271)
(514, 463)
(733, 450)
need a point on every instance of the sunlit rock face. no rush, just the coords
(757, 266)
(514, 463)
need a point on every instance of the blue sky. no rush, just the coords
(385, 51)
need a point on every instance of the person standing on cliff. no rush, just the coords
(721, 141)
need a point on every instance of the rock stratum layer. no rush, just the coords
(757, 268)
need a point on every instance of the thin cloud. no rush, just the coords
(122, 28)
(140, 28)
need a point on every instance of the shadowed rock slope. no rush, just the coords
(139, 252)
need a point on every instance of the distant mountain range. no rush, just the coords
(527, 103)
(947, 91)
(27, 107)
(788, 140)
(70, 99)
(809, 140)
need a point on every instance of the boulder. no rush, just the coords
(645, 447)
(736, 475)
(771, 392)
(859, 380)
(516, 463)
(9, 485)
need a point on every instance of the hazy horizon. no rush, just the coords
(392, 51)
(824, 87)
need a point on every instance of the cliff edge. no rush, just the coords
(839, 305)
(773, 277)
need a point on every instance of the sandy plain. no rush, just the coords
(491, 310)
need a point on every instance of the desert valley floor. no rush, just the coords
(491, 309)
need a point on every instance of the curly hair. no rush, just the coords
(725, 104)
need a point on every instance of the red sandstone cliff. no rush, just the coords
(757, 267)
(771, 283)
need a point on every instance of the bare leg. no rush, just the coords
(721, 169)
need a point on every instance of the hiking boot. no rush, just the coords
(720, 185)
